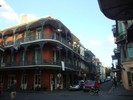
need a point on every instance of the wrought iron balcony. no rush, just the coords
(38, 62)
(120, 38)
(8, 43)
(1, 48)
(116, 50)
(115, 34)
(41, 37)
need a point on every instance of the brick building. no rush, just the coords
(41, 54)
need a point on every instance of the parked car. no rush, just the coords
(89, 84)
(77, 85)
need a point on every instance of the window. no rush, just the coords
(130, 50)
(38, 34)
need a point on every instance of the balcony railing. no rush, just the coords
(39, 62)
(45, 36)
(8, 43)
(121, 38)
(41, 37)
(114, 30)
(127, 59)
(116, 50)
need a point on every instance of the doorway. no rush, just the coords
(130, 79)
(24, 82)
(11, 78)
(37, 81)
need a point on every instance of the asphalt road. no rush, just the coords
(68, 95)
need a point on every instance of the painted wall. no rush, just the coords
(125, 79)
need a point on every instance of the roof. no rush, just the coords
(117, 9)
(56, 24)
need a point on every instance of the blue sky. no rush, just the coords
(82, 17)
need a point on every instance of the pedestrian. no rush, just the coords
(114, 83)
(13, 90)
(97, 86)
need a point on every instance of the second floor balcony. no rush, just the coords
(47, 63)
(120, 38)
(39, 37)
(116, 50)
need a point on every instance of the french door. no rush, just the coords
(37, 81)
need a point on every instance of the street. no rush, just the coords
(69, 95)
(65, 95)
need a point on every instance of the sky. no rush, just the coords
(82, 17)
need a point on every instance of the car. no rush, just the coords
(77, 85)
(90, 84)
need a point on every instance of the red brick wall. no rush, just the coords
(0, 41)
(10, 38)
(31, 79)
(47, 52)
(5, 79)
(8, 57)
(17, 57)
(45, 77)
(18, 78)
(30, 55)
(47, 29)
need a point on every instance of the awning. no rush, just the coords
(117, 9)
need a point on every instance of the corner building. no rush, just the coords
(40, 55)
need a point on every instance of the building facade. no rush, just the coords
(124, 51)
(41, 54)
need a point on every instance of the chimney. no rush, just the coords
(23, 18)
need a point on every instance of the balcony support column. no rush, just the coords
(27, 38)
(42, 32)
(72, 57)
(66, 55)
(25, 57)
(41, 53)
(12, 57)
(59, 36)
(66, 36)
(60, 54)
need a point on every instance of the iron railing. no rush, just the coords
(44, 62)
(41, 37)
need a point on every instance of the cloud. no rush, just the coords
(7, 13)
(111, 39)
(8, 16)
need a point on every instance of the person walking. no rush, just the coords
(13, 90)
(114, 83)
(97, 84)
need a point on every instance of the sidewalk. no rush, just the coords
(120, 91)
